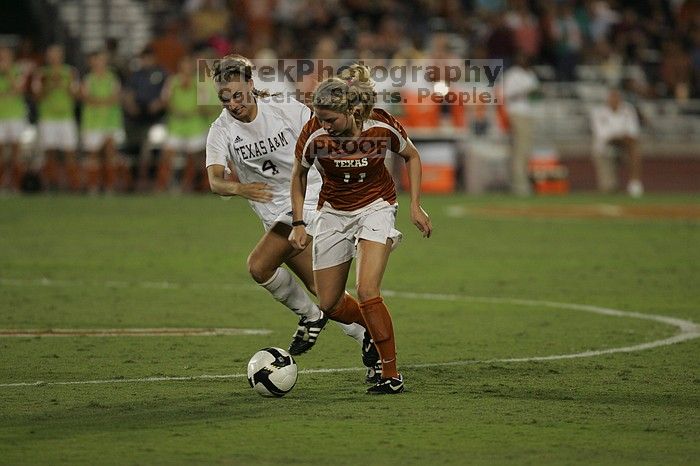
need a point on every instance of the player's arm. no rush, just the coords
(298, 236)
(258, 192)
(419, 217)
(216, 160)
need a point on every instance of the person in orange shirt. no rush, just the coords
(357, 205)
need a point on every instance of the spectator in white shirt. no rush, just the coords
(519, 85)
(615, 125)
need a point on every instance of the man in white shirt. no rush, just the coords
(519, 84)
(615, 125)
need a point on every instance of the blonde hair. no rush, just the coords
(232, 68)
(352, 91)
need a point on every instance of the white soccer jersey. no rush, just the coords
(263, 151)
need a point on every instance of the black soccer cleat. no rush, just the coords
(388, 386)
(371, 360)
(374, 374)
(305, 336)
(370, 355)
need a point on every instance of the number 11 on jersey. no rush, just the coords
(360, 177)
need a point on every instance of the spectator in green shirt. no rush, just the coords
(13, 120)
(187, 127)
(55, 88)
(102, 123)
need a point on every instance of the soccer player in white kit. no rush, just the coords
(255, 135)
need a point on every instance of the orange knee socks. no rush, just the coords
(379, 325)
(347, 311)
(374, 316)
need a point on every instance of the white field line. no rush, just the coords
(164, 285)
(130, 332)
(687, 330)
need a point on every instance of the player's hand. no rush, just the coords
(258, 192)
(421, 220)
(298, 237)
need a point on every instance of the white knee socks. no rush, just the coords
(355, 331)
(285, 289)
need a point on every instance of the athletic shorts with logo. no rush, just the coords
(337, 233)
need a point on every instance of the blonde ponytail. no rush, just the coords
(352, 91)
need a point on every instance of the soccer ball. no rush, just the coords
(272, 372)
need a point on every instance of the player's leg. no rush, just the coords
(72, 170)
(333, 250)
(125, 175)
(110, 168)
(264, 263)
(372, 258)
(92, 170)
(194, 163)
(49, 169)
(522, 146)
(330, 290)
(301, 265)
(634, 187)
(91, 142)
(604, 164)
(4, 144)
(188, 172)
(165, 169)
(144, 161)
(68, 143)
(17, 166)
(202, 185)
(3, 164)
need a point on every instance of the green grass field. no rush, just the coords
(480, 386)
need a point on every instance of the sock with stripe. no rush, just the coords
(379, 325)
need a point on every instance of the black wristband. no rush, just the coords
(298, 223)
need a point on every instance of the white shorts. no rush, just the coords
(11, 130)
(188, 145)
(337, 233)
(58, 135)
(286, 218)
(93, 140)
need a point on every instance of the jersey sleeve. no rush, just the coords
(301, 151)
(399, 137)
(300, 114)
(217, 145)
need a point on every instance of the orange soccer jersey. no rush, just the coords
(353, 169)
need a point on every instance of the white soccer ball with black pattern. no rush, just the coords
(272, 372)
